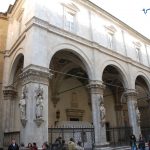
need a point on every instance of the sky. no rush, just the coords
(128, 11)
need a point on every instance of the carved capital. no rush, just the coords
(96, 86)
(9, 93)
(131, 94)
(36, 74)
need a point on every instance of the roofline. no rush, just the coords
(105, 14)
(116, 20)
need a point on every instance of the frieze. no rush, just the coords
(9, 93)
(33, 75)
(96, 86)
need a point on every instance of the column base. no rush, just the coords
(102, 146)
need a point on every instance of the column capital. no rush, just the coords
(96, 86)
(36, 74)
(9, 92)
(130, 93)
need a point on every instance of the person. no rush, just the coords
(45, 146)
(149, 144)
(133, 142)
(79, 146)
(13, 145)
(22, 147)
(29, 146)
(63, 145)
(141, 143)
(71, 144)
(57, 144)
(34, 147)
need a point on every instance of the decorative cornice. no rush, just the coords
(96, 86)
(61, 32)
(9, 93)
(36, 74)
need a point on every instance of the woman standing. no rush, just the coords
(141, 143)
(133, 142)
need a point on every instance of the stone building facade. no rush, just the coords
(3, 37)
(69, 60)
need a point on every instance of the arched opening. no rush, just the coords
(11, 105)
(69, 98)
(143, 99)
(16, 71)
(116, 107)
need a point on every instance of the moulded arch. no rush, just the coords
(75, 50)
(119, 68)
(144, 77)
(14, 64)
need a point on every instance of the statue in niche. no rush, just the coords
(102, 112)
(22, 104)
(138, 115)
(39, 103)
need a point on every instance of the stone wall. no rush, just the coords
(3, 36)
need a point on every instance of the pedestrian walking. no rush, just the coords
(149, 144)
(133, 142)
(141, 143)
(71, 144)
(29, 146)
(79, 146)
(13, 145)
(45, 146)
(34, 147)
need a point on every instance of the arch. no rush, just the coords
(13, 66)
(144, 77)
(76, 51)
(119, 68)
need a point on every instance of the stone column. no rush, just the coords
(98, 111)
(34, 103)
(133, 112)
(9, 93)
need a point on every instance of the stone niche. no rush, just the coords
(74, 114)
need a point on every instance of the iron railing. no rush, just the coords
(119, 136)
(145, 131)
(85, 135)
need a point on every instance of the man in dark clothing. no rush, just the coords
(13, 145)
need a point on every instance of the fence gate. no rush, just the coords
(85, 135)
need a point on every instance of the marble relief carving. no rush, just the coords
(102, 111)
(22, 105)
(138, 115)
(39, 106)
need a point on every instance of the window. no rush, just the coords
(19, 20)
(110, 40)
(70, 10)
(110, 35)
(137, 47)
(138, 55)
(69, 21)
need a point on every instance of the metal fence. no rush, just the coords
(8, 136)
(119, 136)
(85, 135)
(146, 133)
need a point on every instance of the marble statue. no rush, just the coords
(39, 103)
(22, 104)
(102, 112)
(137, 114)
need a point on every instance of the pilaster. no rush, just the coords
(36, 81)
